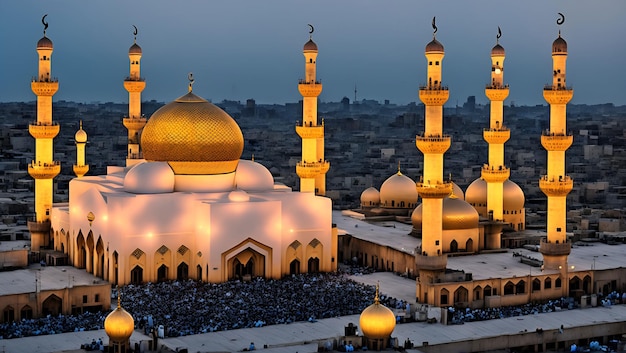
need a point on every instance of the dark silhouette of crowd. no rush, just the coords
(190, 307)
(51, 325)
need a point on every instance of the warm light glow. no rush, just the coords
(498, 71)
(105, 218)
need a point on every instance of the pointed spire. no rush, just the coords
(376, 298)
(399, 173)
(253, 157)
(191, 81)
(119, 300)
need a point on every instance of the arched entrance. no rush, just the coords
(115, 268)
(8, 314)
(469, 245)
(52, 306)
(461, 297)
(454, 246)
(294, 267)
(81, 260)
(314, 265)
(248, 258)
(199, 273)
(99, 270)
(136, 275)
(90, 253)
(162, 273)
(182, 272)
(26, 313)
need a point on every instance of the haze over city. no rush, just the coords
(238, 50)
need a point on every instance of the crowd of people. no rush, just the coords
(50, 325)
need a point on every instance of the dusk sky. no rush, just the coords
(253, 49)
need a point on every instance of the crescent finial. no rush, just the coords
(45, 24)
(311, 29)
(561, 19)
(191, 81)
(434, 26)
(135, 31)
(499, 34)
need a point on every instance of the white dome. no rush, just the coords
(149, 178)
(370, 197)
(398, 191)
(238, 196)
(457, 191)
(253, 176)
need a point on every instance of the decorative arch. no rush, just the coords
(314, 255)
(477, 292)
(454, 246)
(557, 283)
(53, 306)
(183, 262)
(116, 265)
(136, 275)
(444, 296)
(99, 269)
(547, 283)
(487, 291)
(8, 314)
(89, 242)
(461, 297)
(81, 251)
(469, 245)
(520, 287)
(163, 263)
(509, 288)
(240, 255)
(26, 313)
(587, 284)
(293, 257)
(536, 285)
(137, 260)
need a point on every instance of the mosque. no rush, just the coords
(185, 205)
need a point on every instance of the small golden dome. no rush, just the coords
(134, 49)
(377, 321)
(310, 46)
(119, 324)
(497, 50)
(457, 214)
(81, 135)
(434, 47)
(559, 46)
(45, 43)
(194, 137)
(398, 191)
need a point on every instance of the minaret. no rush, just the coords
(495, 173)
(44, 168)
(556, 184)
(80, 168)
(432, 188)
(313, 167)
(134, 122)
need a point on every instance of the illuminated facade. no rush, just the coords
(43, 168)
(313, 167)
(556, 140)
(191, 208)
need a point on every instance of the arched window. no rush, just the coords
(509, 288)
(8, 314)
(557, 283)
(536, 285)
(547, 283)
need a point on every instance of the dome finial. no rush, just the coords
(434, 27)
(560, 20)
(119, 300)
(253, 157)
(191, 81)
(376, 298)
(80, 124)
(45, 24)
(311, 30)
(135, 33)
(498, 36)
(399, 173)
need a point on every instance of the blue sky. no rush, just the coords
(253, 49)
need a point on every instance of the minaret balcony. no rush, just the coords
(44, 88)
(556, 142)
(431, 263)
(434, 96)
(80, 170)
(552, 187)
(44, 131)
(554, 249)
(496, 136)
(497, 94)
(44, 170)
(134, 124)
(433, 191)
(310, 89)
(433, 144)
(309, 170)
(557, 95)
(495, 175)
(134, 85)
(310, 132)
(39, 227)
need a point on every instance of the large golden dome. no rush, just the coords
(457, 214)
(513, 196)
(119, 324)
(398, 191)
(377, 321)
(193, 136)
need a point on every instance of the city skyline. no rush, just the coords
(240, 50)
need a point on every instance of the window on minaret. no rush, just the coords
(430, 63)
(436, 62)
